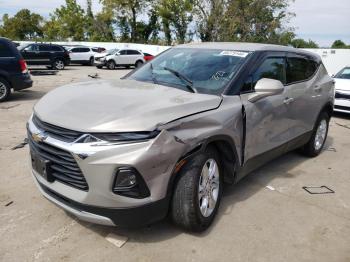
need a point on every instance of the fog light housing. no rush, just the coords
(128, 182)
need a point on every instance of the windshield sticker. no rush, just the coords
(234, 53)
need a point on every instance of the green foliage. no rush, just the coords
(68, 22)
(301, 43)
(24, 25)
(340, 44)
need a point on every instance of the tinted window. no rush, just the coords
(44, 48)
(273, 68)
(300, 69)
(32, 48)
(56, 48)
(84, 50)
(95, 49)
(5, 51)
(132, 52)
(75, 50)
(122, 52)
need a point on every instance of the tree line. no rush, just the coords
(163, 22)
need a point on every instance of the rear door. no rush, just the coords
(44, 55)
(74, 54)
(305, 92)
(133, 56)
(8, 59)
(267, 124)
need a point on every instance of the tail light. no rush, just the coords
(23, 65)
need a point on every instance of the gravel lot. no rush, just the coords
(266, 217)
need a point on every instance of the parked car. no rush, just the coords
(342, 91)
(13, 70)
(167, 136)
(148, 56)
(51, 55)
(99, 49)
(82, 55)
(119, 57)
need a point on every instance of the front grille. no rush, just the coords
(63, 165)
(342, 96)
(59, 133)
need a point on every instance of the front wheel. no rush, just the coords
(198, 192)
(319, 135)
(111, 65)
(91, 61)
(138, 64)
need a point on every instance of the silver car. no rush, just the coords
(342, 91)
(164, 139)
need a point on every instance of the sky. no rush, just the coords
(320, 20)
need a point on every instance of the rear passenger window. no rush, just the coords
(56, 48)
(84, 50)
(133, 52)
(44, 48)
(5, 51)
(300, 69)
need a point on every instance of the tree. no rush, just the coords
(68, 22)
(127, 12)
(209, 15)
(178, 15)
(339, 44)
(301, 43)
(255, 20)
(24, 25)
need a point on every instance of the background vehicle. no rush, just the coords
(148, 56)
(82, 55)
(168, 135)
(54, 56)
(121, 57)
(342, 91)
(13, 70)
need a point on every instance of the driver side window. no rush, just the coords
(272, 67)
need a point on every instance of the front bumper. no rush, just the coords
(99, 62)
(342, 101)
(154, 159)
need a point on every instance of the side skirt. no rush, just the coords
(260, 160)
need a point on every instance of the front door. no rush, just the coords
(267, 122)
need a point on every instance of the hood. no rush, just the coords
(119, 106)
(99, 55)
(342, 84)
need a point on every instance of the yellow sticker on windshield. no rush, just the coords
(234, 53)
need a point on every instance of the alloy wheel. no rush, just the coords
(320, 134)
(3, 90)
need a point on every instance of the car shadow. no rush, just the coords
(233, 195)
(342, 115)
(26, 95)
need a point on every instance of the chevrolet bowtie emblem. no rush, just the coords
(38, 137)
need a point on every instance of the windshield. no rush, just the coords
(205, 70)
(344, 74)
(112, 51)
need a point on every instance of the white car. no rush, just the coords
(342, 91)
(82, 55)
(120, 57)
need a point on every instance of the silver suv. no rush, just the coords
(119, 57)
(165, 138)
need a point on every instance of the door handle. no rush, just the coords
(288, 100)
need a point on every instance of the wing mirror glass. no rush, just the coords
(266, 87)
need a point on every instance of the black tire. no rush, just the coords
(138, 63)
(5, 90)
(99, 67)
(185, 206)
(111, 65)
(91, 61)
(58, 64)
(310, 149)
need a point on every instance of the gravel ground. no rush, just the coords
(266, 217)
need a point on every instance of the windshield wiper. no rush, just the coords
(189, 83)
(154, 79)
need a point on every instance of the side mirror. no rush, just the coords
(266, 87)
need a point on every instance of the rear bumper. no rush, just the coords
(21, 81)
(121, 217)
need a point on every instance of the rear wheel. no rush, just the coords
(58, 64)
(319, 135)
(5, 90)
(91, 61)
(111, 65)
(198, 192)
(138, 64)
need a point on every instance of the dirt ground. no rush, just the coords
(266, 217)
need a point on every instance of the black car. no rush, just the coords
(13, 70)
(53, 56)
